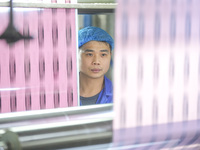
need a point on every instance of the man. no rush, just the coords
(95, 46)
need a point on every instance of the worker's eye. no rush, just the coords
(89, 54)
(104, 54)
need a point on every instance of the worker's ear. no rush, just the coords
(110, 55)
(111, 61)
(110, 52)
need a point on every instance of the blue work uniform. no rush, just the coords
(106, 94)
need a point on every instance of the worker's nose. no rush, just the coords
(96, 60)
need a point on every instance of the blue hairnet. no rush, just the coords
(91, 33)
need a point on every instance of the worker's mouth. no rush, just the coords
(95, 70)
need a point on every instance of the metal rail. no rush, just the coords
(52, 115)
(58, 135)
(56, 128)
(59, 5)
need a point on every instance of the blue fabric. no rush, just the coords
(91, 33)
(106, 94)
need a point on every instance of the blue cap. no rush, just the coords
(91, 33)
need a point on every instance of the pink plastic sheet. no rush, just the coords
(156, 68)
(156, 62)
(40, 73)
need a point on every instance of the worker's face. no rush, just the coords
(94, 59)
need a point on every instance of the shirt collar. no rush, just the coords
(108, 86)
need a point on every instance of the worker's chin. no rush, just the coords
(96, 76)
